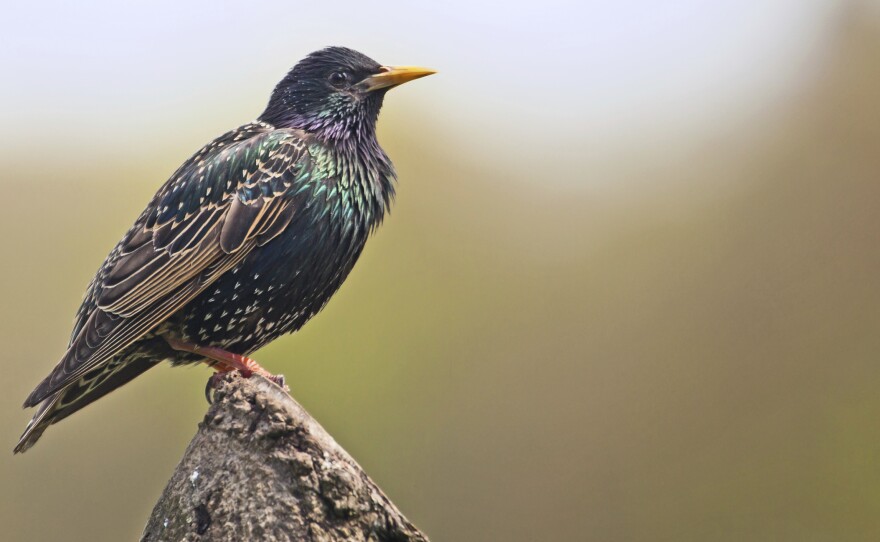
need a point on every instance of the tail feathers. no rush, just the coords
(82, 352)
(38, 394)
(34, 430)
(92, 386)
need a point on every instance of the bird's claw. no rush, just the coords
(211, 385)
(280, 381)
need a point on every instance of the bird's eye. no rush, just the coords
(338, 79)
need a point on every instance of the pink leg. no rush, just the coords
(226, 361)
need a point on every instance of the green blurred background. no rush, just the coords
(628, 291)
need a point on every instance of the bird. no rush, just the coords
(245, 242)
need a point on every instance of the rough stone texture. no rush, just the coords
(261, 468)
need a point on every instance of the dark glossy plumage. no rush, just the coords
(245, 242)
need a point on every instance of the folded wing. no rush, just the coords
(236, 193)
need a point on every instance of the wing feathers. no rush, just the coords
(84, 354)
(131, 264)
(151, 282)
(277, 223)
(203, 222)
(240, 222)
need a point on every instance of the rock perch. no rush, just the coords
(260, 468)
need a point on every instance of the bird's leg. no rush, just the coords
(226, 361)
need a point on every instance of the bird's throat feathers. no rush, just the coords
(339, 119)
(366, 179)
(344, 133)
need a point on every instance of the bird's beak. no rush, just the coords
(391, 76)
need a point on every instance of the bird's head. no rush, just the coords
(335, 93)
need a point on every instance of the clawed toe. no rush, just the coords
(211, 385)
(280, 381)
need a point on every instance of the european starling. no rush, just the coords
(246, 241)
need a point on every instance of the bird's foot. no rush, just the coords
(223, 362)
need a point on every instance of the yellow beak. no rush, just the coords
(391, 76)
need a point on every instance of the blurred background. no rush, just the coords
(628, 291)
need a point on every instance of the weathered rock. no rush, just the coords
(261, 468)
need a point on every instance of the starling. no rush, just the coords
(245, 242)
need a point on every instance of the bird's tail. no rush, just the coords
(41, 420)
(92, 386)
